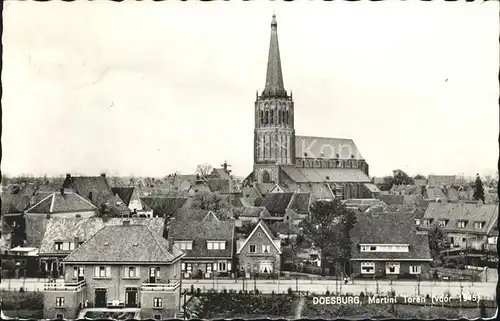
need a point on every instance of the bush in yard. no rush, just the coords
(198, 291)
(327, 292)
(21, 300)
(256, 291)
(290, 291)
(362, 294)
(192, 289)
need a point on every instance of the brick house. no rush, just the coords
(125, 265)
(209, 247)
(260, 252)
(466, 224)
(388, 244)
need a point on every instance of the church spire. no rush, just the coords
(274, 78)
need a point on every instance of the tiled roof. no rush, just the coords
(263, 188)
(67, 230)
(222, 186)
(438, 180)
(62, 203)
(250, 211)
(202, 231)
(300, 203)
(277, 203)
(330, 147)
(460, 211)
(156, 224)
(389, 228)
(124, 193)
(421, 182)
(125, 243)
(84, 185)
(163, 206)
(325, 175)
(372, 187)
(190, 214)
(221, 174)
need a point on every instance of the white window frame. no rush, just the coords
(254, 248)
(442, 223)
(210, 246)
(222, 266)
(266, 248)
(75, 272)
(98, 269)
(128, 275)
(209, 268)
(478, 225)
(461, 224)
(65, 246)
(396, 266)
(58, 246)
(222, 245)
(417, 221)
(215, 245)
(183, 267)
(157, 303)
(59, 301)
(367, 265)
(415, 269)
(71, 246)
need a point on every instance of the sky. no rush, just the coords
(151, 88)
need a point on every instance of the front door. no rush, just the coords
(100, 298)
(131, 297)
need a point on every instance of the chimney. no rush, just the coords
(77, 241)
(103, 175)
(170, 244)
(62, 191)
(68, 175)
(32, 200)
(90, 196)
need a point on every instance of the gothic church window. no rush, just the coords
(261, 119)
(266, 118)
(266, 178)
(272, 117)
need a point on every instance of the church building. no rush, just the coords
(300, 163)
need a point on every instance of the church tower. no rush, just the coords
(274, 134)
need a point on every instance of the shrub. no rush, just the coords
(327, 292)
(362, 294)
(198, 291)
(256, 291)
(290, 291)
(192, 289)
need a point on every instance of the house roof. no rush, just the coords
(61, 203)
(438, 180)
(191, 214)
(460, 211)
(68, 229)
(326, 148)
(163, 206)
(255, 211)
(270, 235)
(84, 185)
(155, 224)
(372, 187)
(420, 182)
(125, 243)
(325, 175)
(222, 186)
(277, 203)
(221, 174)
(300, 203)
(389, 228)
(200, 232)
(263, 188)
(124, 193)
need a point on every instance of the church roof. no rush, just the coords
(326, 148)
(320, 175)
(274, 78)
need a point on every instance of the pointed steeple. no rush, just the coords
(274, 78)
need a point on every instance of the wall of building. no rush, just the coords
(463, 240)
(170, 304)
(404, 270)
(116, 283)
(73, 301)
(249, 262)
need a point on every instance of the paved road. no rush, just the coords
(410, 288)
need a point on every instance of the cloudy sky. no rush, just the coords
(149, 88)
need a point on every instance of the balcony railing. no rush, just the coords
(53, 286)
(170, 286)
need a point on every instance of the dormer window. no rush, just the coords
(428, 221)
(216, 245)
(461, 224)
(184, 245)
(58, 246)
(442, 223)
(479, 225)
(417, 221)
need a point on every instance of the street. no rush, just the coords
(409, 288)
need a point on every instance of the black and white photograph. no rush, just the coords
(249, 159)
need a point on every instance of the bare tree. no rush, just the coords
(204, 170)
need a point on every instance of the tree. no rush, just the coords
(204, 170)
(401, 178)
(479, 189)
(418, 176)
(209, 201)
(328, 229)
(437, 242)
(387, 185)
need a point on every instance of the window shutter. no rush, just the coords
(183, 266)
(96, 271)
(75, 272)
(229, 266)
(137, 272)
(125, 272)
(215, 266)
(108, 271)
